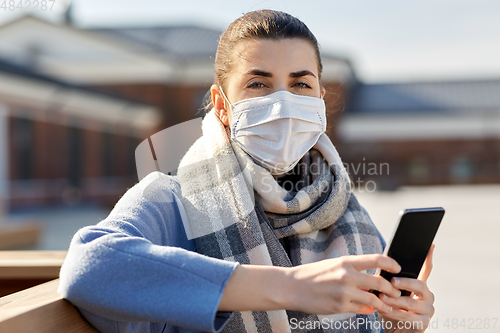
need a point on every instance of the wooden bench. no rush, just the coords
(19, 235)
(41, 309)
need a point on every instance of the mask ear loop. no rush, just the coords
(227, 100)
(230, 108)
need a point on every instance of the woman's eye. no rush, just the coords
(302, 85)
(256, 85)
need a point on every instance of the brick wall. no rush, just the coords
(424, 162)
(177, 103)
(57, 172)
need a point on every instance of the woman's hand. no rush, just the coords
(415, 310)
(339, 285)
(325, 287)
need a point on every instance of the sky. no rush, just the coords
(386, 40)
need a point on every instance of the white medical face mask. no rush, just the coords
(278, 129)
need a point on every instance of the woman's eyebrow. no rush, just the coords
(259, 72)
(301, 73)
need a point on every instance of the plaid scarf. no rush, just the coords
(239, 212)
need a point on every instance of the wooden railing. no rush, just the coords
(40, 308)
(24, 269)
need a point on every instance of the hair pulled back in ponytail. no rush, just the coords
(260, 24)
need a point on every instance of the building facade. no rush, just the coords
(62, 143)
(428, 133)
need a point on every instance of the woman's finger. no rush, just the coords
(410, 304)
(373, 282)
(359, 308)
(427, 267)
(365, 262)
(369, 299)
(418, 287)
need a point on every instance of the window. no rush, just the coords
(23, 131)
(108, 155)
(75, 156)
(419, 170)
(132, 144)
(461, 170)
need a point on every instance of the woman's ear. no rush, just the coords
(323, 92)
(219, 105)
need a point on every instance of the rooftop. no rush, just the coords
(182, 43)
(9, 67)
(425, 97)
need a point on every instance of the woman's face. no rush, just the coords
(264, 66)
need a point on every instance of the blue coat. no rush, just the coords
(137, 271)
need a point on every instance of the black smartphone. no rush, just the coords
(411, 241)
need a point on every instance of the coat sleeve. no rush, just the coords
(137, 265)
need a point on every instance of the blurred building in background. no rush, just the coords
(423, 133)
(76, 102)
(63, 143)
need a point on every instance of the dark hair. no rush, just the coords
(259, 24)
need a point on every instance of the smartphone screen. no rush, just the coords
(412, 240)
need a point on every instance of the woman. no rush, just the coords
(259, 231)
